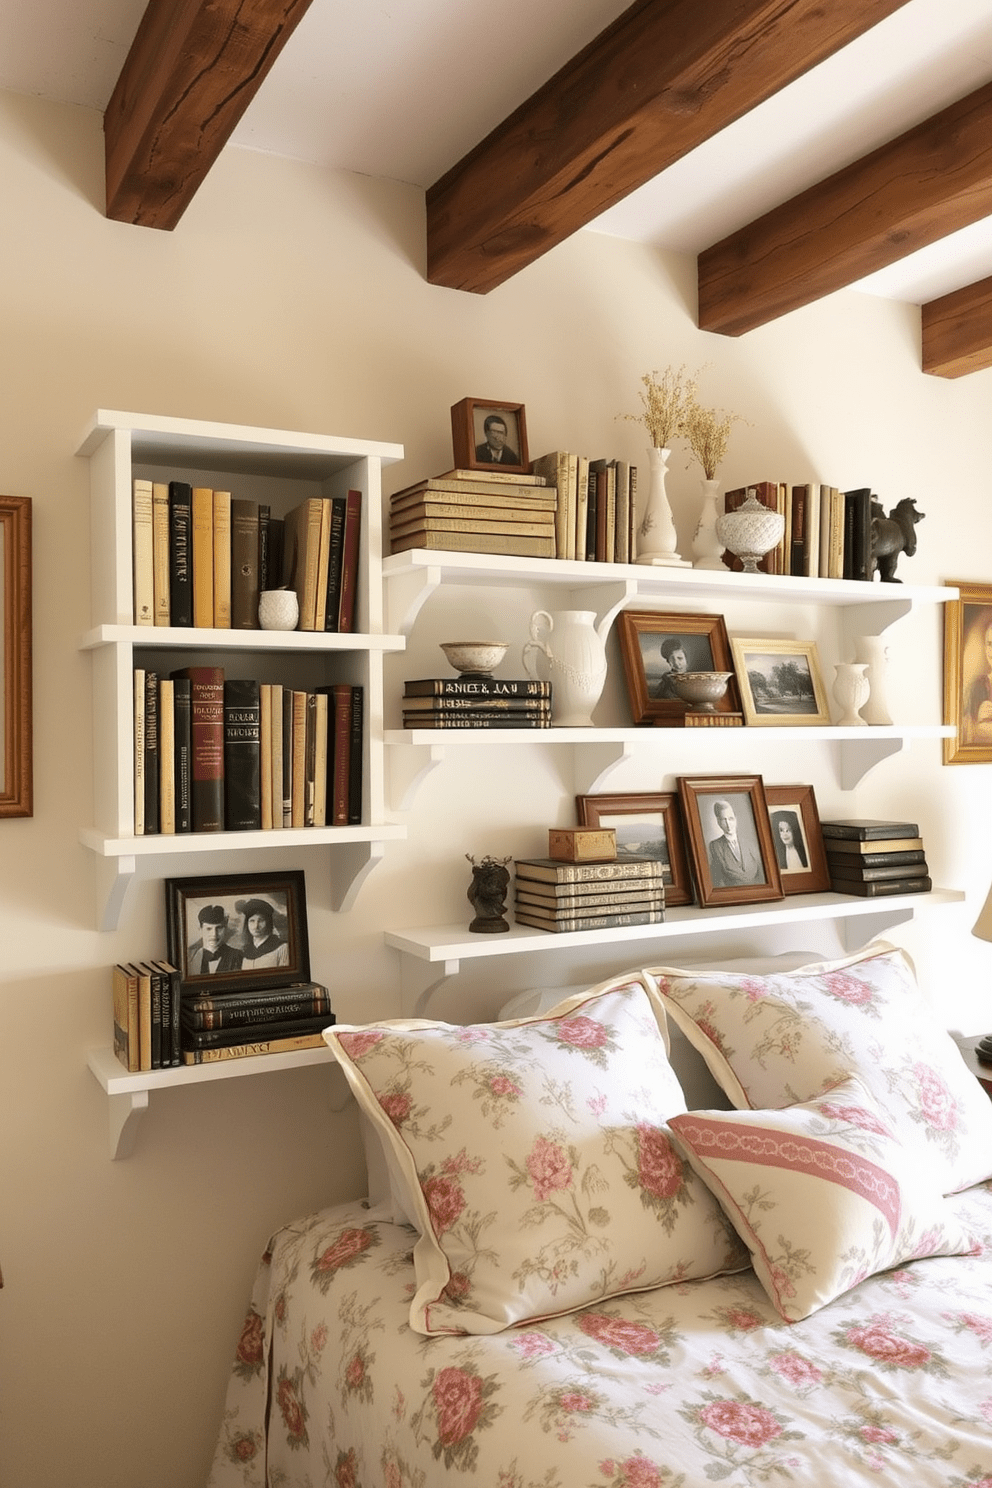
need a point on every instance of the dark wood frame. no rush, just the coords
(592, 809)
(695, 788)
(16, 718)
(801, 800)
(185, 896)
(753, 717)
(670, 712)
(963, 645)
(465, 435)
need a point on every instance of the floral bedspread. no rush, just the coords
(693, 1384)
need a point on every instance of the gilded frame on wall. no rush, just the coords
(16, 726)
(968, 674)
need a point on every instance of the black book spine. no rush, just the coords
(219, 1038)
(180, 553)
(152, 816)
(335, 563)
(356, 756)
(264, 518)
(242, 756)
(183, 731)
(267, 1009)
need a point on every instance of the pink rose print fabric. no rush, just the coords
(538, 1159)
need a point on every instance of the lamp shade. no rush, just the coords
(983, 925)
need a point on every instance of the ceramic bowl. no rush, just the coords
(701, 690)
(475, 658)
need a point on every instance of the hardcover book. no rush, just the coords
(577, 904)
(171, 1008)
(207, 744)
(138, 732)
(180, 553)
(868, 829)
(483, 687)
(244, 564)
(348, 605)
(854, 871)
(203, 556)
(278, 1027)
(160, 551)
(442, 703)
(885, 886)
(151, 770)
(284, 1045)
(572, 873)
(166, 756)
(222, 560)
(476, 542)
(335, 558)
(592, 922)
(125, 994)
(142, 553)
(301, 556)
(241, 1009)
(242, 756)
(356, 755)
(902, 850)
(477, 718)
(183, 770)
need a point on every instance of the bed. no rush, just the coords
(570, 1280)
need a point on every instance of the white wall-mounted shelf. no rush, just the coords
(433, 954)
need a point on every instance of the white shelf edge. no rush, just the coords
(639, 735)
(169, 844)
(204, 639)
(225, 438)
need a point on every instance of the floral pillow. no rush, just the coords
(823, 1194)
(771, 1041)
(537, 1159)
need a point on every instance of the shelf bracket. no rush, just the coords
(859, 756)
(860, 620)
(352, 862)
(419, 980)
(406, 595)
(857, 930)
(599, 761)
(409, 766)
(125, 1113)
(114, 877)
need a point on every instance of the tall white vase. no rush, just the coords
(707, 549)
(656, 535)
(851, 691)
(874, 651)
(567, 650)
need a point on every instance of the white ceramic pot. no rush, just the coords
(851, 691)
(874, 651)
(566, 649)
(278, 609)
(707, 549)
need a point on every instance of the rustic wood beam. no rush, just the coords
(918, 188)
(193, 68)
(664, 77)
(957, 331)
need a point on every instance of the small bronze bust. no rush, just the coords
(487, 894)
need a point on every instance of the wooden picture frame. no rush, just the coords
(649, 825)
(231, 901)
(780, 682)
(968, 674)
(792, 810)
(650, 640)
(722, 877)
(470, 421)
(16, 713)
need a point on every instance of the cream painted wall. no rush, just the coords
(294, 298)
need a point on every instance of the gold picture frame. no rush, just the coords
(780, 682)
(648, 825)
(796, 834)
(968, 675)
(731, 866)
(16, 725)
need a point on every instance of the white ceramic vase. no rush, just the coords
(656, 535)
(567, 650)
(851, 691)
(874, 651)
(707, 549)
(278, 609)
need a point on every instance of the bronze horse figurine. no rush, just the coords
(892, 535)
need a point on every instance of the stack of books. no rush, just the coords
(558, 896)
(873, 858)
(235, 1025)
(476, 511)
(597, 499)
(827, 532)
(481, 702)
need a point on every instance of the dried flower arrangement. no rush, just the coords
(707, 433)
(666, 397)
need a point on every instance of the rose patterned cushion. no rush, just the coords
(771, 1041)
(536, 1159)
(823, 1194)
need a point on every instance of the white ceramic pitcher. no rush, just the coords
(566, 649)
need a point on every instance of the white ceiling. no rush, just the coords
(404, 88)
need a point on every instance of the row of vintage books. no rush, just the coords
(201, 557)
(477, 702)
(559, 896)
(827, 531)
(223, 754)
(158, 1024)
(873, 858)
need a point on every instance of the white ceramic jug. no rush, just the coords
(566, 649)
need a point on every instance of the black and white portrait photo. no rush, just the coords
(791, 848)
(732, 841)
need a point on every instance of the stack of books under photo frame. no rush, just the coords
(476, 511)
(476, 702)
(873, 858)
(583, 885)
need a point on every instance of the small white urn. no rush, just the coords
(567, 650)
(851, 691)
(278, 609)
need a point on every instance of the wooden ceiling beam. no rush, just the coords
(664, 77)
(193, 68)
(918, 188)
(957, 331)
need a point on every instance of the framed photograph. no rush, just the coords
(968, 674)
(238, 932)
(648, 826)
(797, 839)
(486, 435)
(780, 682)
(16, 768)
(730, 838)
(655, 646)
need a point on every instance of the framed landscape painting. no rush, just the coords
(780, 682)
(646, 826)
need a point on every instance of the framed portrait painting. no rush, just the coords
(780, 682)
(797, 839)
(238, 932)
(730, 838)
(968, 674)
(646, 826)
(489, 436)
(655, 647)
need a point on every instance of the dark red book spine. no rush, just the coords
(349, 561)
(207, 732)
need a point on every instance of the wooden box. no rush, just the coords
(582, 844)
